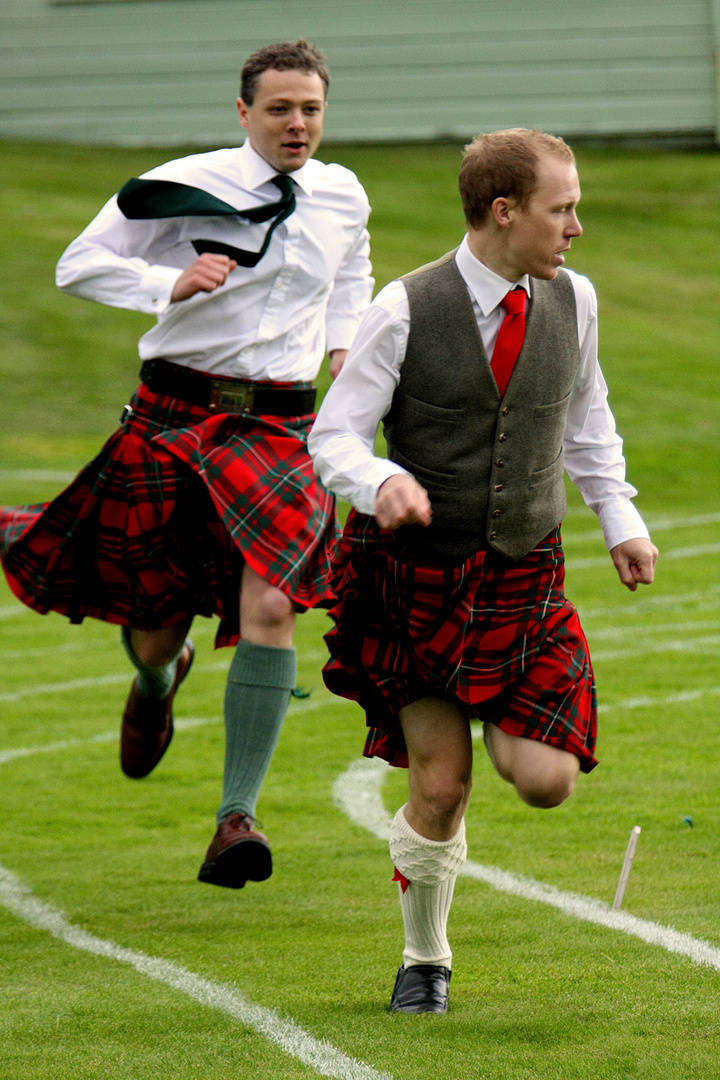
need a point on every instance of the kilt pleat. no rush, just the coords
(496, 637)
(158, 526)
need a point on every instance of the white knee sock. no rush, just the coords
(430, 868)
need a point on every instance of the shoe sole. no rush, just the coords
(246, 860)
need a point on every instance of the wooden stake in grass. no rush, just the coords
(626, 867)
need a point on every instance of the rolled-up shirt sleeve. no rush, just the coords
(593, 449)
(342, 440)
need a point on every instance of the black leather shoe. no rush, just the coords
(421, 989)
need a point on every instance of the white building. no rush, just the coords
(155, 72)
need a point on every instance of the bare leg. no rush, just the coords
(427, 846)
(543, 775)
(439, 747)
(154, 648)
(267, 615)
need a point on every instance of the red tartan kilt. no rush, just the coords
(157, 527)
(495, 637)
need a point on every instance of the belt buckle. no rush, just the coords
(231, 397)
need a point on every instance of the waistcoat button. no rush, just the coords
(502, 438)
(496, 513)
(498, 487)
(499, 463)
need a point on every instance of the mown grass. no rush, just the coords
(536, 995)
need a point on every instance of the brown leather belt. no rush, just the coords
(226, 395)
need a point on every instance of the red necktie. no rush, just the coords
(510, 338)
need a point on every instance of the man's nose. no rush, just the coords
(574, 228)
(296, 119)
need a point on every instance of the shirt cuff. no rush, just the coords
(340, 333)
(621, 521)
(365, 497)
(155, 290)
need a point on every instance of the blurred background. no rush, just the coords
(158, 72)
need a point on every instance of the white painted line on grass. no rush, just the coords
(707, 600)
(11, 611)
(41, 475)
(181, 724)
(89, 683)
(637, 632)
(665, 524)
(672, 553)
(681, 698)
(697, 645)
(358, 792)
(285, 1033)
(103, 737)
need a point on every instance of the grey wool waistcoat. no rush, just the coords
(493, 468)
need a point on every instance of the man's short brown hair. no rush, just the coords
(284, 56)
(503, 164)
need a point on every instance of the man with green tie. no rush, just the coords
(255, 261)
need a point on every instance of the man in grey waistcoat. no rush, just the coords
(450, 605)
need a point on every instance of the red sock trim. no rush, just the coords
(401, 878)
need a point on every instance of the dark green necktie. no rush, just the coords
(146, 199)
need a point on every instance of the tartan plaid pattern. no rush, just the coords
(496, 637)
(158, 525)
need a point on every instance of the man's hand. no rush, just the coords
(337, 359)
(635, 562)
(204, 275)
(402, 501)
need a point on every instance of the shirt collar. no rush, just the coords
(487, 287)
(257, 171)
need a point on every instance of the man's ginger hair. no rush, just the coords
(503, 164)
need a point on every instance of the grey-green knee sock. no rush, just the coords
(256, 699)
(152, 682)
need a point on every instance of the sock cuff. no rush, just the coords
(423, 861)
(263, 665)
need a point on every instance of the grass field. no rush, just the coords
(291, 978)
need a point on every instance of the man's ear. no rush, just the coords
(501, 210)
(242, 112)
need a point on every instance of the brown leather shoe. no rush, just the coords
(237, 854)
(147, 723)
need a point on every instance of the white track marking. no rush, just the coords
(637, 632)
(320, 1055)
(285, 1033)
(182, 724)
(672, 553)
(681, 698)
(697, 645)
(39, 475)
(11, 611)
(84, 684)
(707, 600)
(358, 792)
(659, 525)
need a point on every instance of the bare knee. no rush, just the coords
(267, 615)
(274, 608)
(437, 803)
(549, 790)
(155, 648)
(543, 776)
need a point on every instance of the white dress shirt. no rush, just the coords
(272, 321)
(343, 437)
